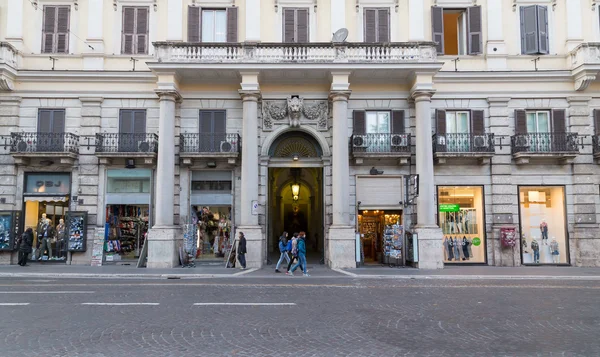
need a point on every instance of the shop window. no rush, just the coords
(209, 233)
(457, 31)
(128, 181)
(461, 217)
(543, 226)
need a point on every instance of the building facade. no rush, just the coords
(427, 132)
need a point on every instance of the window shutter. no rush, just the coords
(397, 121)
(58, 121)
(141, 30)
(370, 25)
(477, 122)
(193, 24)
(440, 121)
(219, 122)
(126, 122)
(383, 25)
(128, 30)
(49, 27)
(232, 24)
(62, 29)
(302, 25)
(358, 122)
(205, 125)
(559, 121)
(289, 25)
(44, 121)
(139, 122)
(520, 121)
(474, 38)
(529, 36)
(542, 29)
(597, 121)
(437, 24)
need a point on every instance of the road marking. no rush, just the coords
(245, 304)
(341, 271)
(245, 271)
(120, 303)
(47, 292)
(14, 304)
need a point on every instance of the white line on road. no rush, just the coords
(245, 304)
(14, 304)
(47, 292)
(120, 303)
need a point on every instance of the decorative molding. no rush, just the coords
(583, 80)
(297, 111)
(6, 84)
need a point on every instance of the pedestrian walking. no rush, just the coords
(25, 246)
(293, 248)
(301, 255)
(242, 250)
(283, 250)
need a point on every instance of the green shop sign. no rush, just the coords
(448, 207)
(476, 241)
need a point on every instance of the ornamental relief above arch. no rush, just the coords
(294, 112)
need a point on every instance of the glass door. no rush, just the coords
(457, 128)
(378, 129)
(538, 128)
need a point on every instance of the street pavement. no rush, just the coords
(298, 316)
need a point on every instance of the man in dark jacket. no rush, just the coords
(25, 246)
(242, 250)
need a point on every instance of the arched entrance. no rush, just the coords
(295, 193)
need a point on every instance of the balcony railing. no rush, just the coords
(141, 143)
(586, 53)
(9, 55)
(544, 143)
(23, 143)
(463, 143)
(380, 143)
(596, 144)
(201, 143)
(295, 52)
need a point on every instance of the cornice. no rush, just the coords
(85, 76)
(503, 76)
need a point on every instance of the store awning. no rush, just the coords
(46, 199)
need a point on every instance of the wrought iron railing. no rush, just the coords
(544, 143)
(380, 143)
(44, 142)
(126, 143)
(463, 143)
(209, 143)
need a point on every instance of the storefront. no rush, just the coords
(461, 217)
(128, 212)
(542, 216)
(211, 218)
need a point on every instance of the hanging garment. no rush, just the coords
(469, 245)
(456, 249)
(465, 248)
(445, 248)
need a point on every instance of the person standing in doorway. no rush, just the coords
(301, 255)
(242, 250)
(283, 250)
(293, 248)
(25, 246)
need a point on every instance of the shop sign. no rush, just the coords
(449, 207)
(48, 183)
(476, 241)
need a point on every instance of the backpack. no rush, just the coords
(288, 246)
(281, 246)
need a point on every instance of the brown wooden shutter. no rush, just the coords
(559, 121)
(370, 25)
(128, 30)
(141, 30)
(232, 24)
(359, 121)
(440, 121)
(477, 122)
(302, 25)
(437, 24)
(397, 121)
(474, 38)
(383, 25)
(520, 121)
(289, 25)
(48, 29)
(597, 121)
(542, 29)
(194, 13)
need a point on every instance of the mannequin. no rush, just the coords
(465, 248)
(449, 248)
(445, 244)
(456, 246)
(554, 250)
(45, 234)
(524, 244)
(536, 251)
(544, 231)
(61, 235)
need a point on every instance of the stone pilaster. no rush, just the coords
(9, 123)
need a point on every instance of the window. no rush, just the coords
(538, 122)
(457, 31)
(132, 130)
(373, 130)
(55, 36)
(295, 25)
(376, 25)
(51, 121)
(534, 30)
(457, 122)
(212, 25)
(378, 122)
(459, 130)
(135, 30)
(213, 130)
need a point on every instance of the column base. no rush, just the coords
(431, 254)
(341, 247)
(163, 247)
(254, 245)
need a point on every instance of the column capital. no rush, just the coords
(252, 95)
(168, 94)
(422, 94)
(336, 95)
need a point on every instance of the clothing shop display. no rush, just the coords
(544, 231)
(465, 248)
(213, 232)
(536, 251)
(127, 231)
(457, 249)
(554, 251)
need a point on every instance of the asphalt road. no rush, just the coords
(298, 317)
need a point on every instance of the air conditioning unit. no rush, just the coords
(359, 141)
(226, 146)
(143, 146)
(441, 140)
(479, 141)
(399, 140)
(521, 141)
(21, 146)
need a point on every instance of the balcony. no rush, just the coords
(377, 146)
(463, 146)
(209, 146)
(10, 59)
(45, 146)
(558, 146)
(585, 64)
(127, 145)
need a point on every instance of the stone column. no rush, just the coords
(249, 183)
(164, 237)
(429, 234)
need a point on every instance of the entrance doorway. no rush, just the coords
(295, 205)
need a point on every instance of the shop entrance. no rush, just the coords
(381, 236)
